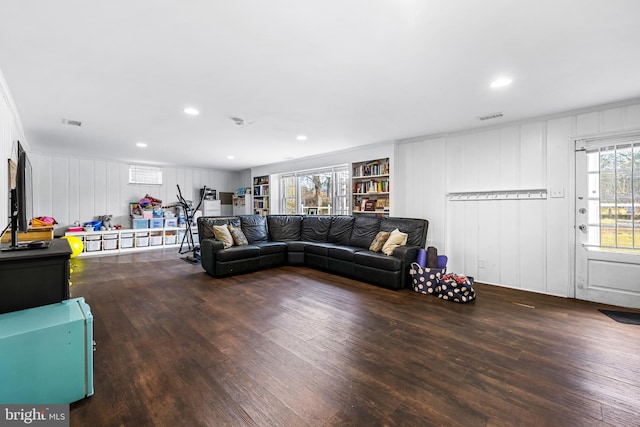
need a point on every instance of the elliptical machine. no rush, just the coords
(189, 214)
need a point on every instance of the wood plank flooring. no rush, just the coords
(298, 347)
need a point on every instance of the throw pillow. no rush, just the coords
(238, 236)
(396, 238)
(379, 241)
(222, 234)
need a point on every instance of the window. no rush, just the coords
(614, 195)
(149, 175)
(316, 192)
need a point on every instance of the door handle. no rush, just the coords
(582, 227)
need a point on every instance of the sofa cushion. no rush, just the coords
(315, 228)
(396, 238)
(222, 234)
(377, 260)
(344, 253)
(239, 239)
(379, 241)
(295, 246)
(236, 253)
(267, 248)
(415, 228)
(365, 228)
(318, 248)
(254, 228)
(206, 223)
(340, 230)
(284, 228)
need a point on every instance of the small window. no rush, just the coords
(148, 175)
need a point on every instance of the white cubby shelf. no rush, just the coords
(107, 242)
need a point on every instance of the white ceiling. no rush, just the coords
(343, 72)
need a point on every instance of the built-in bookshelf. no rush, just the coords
(261, 195)
(370, 187)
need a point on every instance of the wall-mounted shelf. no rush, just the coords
(528, 194)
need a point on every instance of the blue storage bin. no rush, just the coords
(95, 224)
(156, 223)
(140, 223)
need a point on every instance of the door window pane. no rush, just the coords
(614, 194)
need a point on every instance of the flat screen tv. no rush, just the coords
(21, 199)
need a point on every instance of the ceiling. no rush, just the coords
(344, 73)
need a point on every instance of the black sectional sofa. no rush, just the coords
(337, 244)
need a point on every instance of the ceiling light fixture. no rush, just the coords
(231, 157)
(301, 137)
(501, 82)
(71, 122)
(191, 111)
(141, 144)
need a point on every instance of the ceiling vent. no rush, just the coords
(491, 116)
(71, 122)
(241, 122)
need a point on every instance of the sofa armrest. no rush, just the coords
(407, 253)
(208, 249)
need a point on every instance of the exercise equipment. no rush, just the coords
(189, 215)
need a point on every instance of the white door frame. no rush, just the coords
(599, 275)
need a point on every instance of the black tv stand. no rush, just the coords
(34, 278)
(27, 246)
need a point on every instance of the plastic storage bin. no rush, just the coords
(110, 241)
(142, 239)
(170, 238)
(126, 240)
(171, 222)
(140, 223)
(93, 224)
(155, 239)
(92, 243)
(156, 223)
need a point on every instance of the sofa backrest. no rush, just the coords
(284, 228)
(206, 223)
(315, 228)
(364, 230)
(254, 228)
(415, 228)
(340, 229)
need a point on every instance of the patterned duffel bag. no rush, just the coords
(457, 288)
(426, 280)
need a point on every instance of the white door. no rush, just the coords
(608, 220)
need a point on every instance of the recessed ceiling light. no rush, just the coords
(231, 157)
(301, 137)
(501, 82)
(192, 111)
(71, 122)
(141, 144)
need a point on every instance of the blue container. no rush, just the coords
(46, 354)
(95, 224)
(156, 223)
(140, 223)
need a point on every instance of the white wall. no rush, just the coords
(525, 244)
(83, 189)
(10, 132)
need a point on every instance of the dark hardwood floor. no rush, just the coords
(299, 347)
